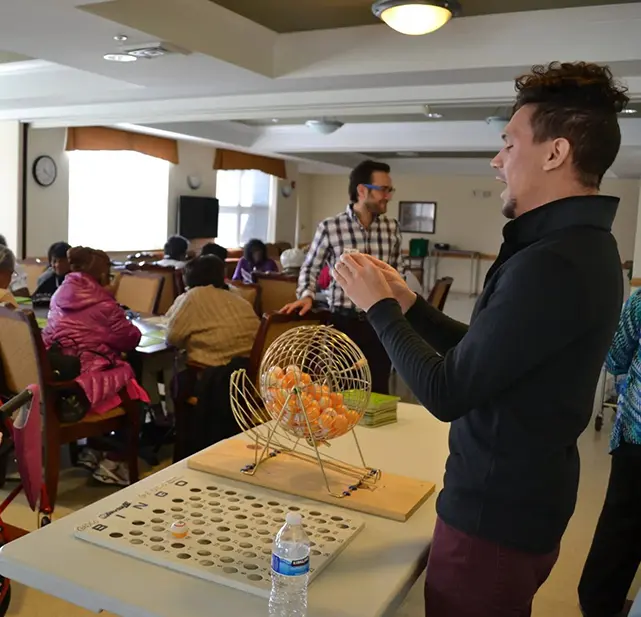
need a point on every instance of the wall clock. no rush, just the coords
(44, 170)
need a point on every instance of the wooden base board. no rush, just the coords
(393, 497)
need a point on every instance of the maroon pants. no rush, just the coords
(471, 577)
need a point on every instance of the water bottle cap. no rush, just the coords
(294, 518)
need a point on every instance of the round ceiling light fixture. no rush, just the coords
(416, 17)
(324, 127)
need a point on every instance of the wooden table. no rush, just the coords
(147, 329)
(435, 256)
(369, 579)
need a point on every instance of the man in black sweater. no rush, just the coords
(517, 384)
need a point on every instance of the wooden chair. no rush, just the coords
(439, 292)
(251, 293)
(24, 363)
(172, 287)
(140, 290)
(33, 267)
(276, 290)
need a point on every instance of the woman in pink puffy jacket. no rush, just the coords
(86, 321)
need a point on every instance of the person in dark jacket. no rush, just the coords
(518, 384)
(52, 278)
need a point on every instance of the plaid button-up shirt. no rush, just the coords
(333, 235)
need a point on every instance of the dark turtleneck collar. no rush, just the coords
(581, 211)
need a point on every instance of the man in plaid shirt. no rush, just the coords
(364, 227)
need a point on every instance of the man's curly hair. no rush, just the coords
(579, 102)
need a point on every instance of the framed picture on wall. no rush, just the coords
(417, 217)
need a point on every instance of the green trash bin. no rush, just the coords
(418, 247)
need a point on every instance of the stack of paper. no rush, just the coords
(380, 410)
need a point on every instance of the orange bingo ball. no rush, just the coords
(327, 418)
(341, 424)
(337, 399)
(342, 410)
(274, 376)
(325, 402)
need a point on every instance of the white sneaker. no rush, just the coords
(112, 472)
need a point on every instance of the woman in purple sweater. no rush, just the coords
(255, 260)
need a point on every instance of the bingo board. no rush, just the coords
(230, 531)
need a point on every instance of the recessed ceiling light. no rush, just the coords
(416, 17)
(628, 111)
(275, 120)
(120, 57)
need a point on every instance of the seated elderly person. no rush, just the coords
(292, 260)
(7, 267)
(49, 282)
(175, 250)
(18, 285)
(212, 324)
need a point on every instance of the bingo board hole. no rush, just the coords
(197, 514)
(273, 503)
(342, 526)
(198, 532)
(323, 531)
(226, 548)
(329, 539)
(177, 545)
(212, 488)
(176, 509)
(195, 490)
(315, 553)
(115, 535)
(194, 498)
(158, 528)
(227, 559)
(213, 503)
(158, 548)
(217, 519)
(251, 566)
(230, 492)
(135, 541)
(314, 513)
(254, 577)
(234, 508)
(183, 556)
(257, 505)
(138, 523)
(135, 533)
(157, 520)
(338, 519)
(241, 517)
(223, 529)
(245, 545)
(223, 539)
(158, 511)
(249, 497)
(233, 499)
(178, 500)
(263, 532)
(249, 555)
(294, 509)
(244, 534)
(204, 542)
(241, 526)
(206, 563)
(230, 570)
(156, 539)
(204, 553)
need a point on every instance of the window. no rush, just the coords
(245, 199)
(118, 200)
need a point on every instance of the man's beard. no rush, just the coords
(376, 207)
(509, 209)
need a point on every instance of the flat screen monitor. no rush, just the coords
(198, 217)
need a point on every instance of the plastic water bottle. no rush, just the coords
(290, 569)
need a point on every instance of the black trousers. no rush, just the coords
(615, 554)
(356, 326)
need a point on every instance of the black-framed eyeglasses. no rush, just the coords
(390, 190)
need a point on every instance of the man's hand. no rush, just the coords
(362, 280)
(302, 306)
(402, 293)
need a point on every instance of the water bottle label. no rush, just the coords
(290, 568)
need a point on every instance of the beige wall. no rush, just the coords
(465, 217)
(11, 184)
(48, 208)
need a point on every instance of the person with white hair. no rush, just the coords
(18, 285)
(7, 267)
(292, 260)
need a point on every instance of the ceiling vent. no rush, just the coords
(155, 50)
